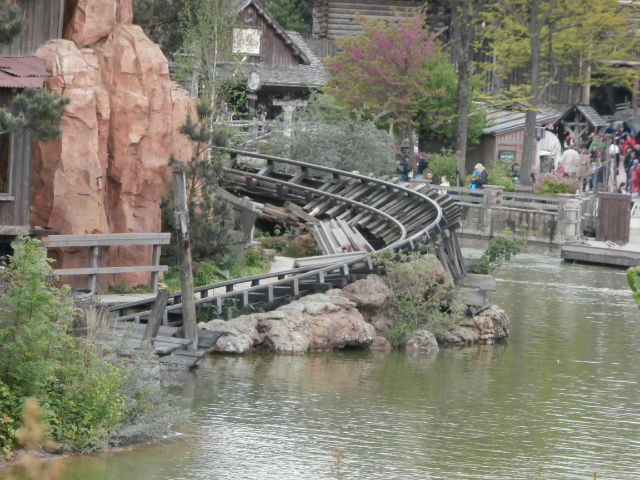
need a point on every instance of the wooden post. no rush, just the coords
(93, 263)
(157, 313)
(184, 254)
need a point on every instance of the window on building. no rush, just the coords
(5, 156)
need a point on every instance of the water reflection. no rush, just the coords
(560, 396)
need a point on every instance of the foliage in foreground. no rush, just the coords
(633, 278)
(79, 393)
(82, 395)
(501, 248)
(420, 297)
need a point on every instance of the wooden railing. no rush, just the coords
(95, 241)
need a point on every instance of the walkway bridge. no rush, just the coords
(389, 215)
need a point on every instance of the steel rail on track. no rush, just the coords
(295, 281)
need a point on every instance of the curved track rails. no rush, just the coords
(391, 216)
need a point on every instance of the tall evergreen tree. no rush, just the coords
(34, 109)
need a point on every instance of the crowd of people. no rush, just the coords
(590, 164)
(418, 167)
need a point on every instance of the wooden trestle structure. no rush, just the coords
(390, 216)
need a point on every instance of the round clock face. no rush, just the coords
(253, 83)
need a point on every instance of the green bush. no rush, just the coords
(79, 393)
(501, 174)
(500, 249)
(228, 267)
(557, 185)
(633, 279)
(443, 163)
(420, 297)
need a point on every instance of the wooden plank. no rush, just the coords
(155, 319)
(103, 270)
(107, 239)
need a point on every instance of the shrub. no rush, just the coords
(501, 174)
(633, 278)
(554, 184)
(500, 249)
(79, 392)
(324, 134)
(420, 296)
(443, 163)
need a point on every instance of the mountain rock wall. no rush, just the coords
(109, 170)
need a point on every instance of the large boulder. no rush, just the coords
(315, 322)
(107, 172)
(422, 341)
(489, 325)
(370, 292)
(238, 335)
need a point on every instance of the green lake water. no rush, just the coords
(559, 399)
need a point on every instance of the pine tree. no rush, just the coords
(34, 109)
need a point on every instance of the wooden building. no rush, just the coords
(18, 70)
(280, 69)
(335, 18)
(502, 140)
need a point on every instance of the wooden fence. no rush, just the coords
(548, 218)
(95, 241)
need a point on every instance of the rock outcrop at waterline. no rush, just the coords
(107, 172)
(315, 322)
(339, 319)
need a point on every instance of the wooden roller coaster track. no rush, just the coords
(390, 215)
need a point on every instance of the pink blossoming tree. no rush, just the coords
(384, 69)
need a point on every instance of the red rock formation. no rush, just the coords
(106, 172)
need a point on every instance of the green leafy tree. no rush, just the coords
(384, 69)
(160, 20)
(466, 20)
(206, 60)
(439, 115)
(292, 14)
(540, 36)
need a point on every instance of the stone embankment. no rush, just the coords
(353, 317)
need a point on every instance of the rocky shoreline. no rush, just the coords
(353, 317)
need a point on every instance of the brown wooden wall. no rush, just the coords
(337, 17)
(44, 20)
(275, 53)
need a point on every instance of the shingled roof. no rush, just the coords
(590, 115)
(22, 72)
(312, 75)
(503, 121)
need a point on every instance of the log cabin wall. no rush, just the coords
(333, 18)
(44, 19)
